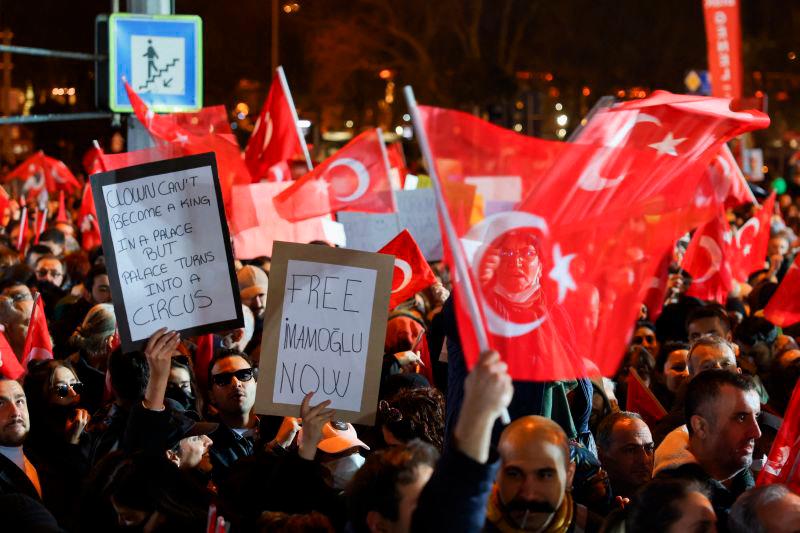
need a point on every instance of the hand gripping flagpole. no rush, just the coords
(290, 100)
(462, 269)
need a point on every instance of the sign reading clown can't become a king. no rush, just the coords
(167, 248)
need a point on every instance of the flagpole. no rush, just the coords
(462, 269)
(386, 163)
(285, 87)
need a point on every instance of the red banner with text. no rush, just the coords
(724, 38)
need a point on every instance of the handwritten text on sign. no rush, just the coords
(168, 260)
(324, 335)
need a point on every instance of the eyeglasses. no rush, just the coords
(62, 390)
(42, 272)
(525, 253)
(224, 378)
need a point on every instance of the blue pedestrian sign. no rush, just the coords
(161, 56)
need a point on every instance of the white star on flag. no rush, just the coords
(667, 144)
(560, 272)
(148, 117)
(320, 186)
(746, 249)
(181, 138)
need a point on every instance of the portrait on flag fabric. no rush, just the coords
(561, 274)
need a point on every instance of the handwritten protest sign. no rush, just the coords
(416, 212)
(324, 330)
(167, 248)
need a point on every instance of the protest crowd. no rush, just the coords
(614, 354)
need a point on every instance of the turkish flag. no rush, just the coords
(655, 292)
(708, 260)
(559, 276)
(639, 399)
(38, 344)
(783, 308)
(92, 160)
(412, 273)
(197, 133)
(10, 368)
(40, 173)
(730, 176)
(397, 162)
(752, 240)
(274, 138)
(783, 461)
(356, 178)
(87, 221)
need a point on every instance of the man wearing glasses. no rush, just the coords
(232, 392)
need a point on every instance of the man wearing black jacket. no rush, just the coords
(17, 474)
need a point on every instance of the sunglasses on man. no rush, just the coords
(62, 389)
(224, 378)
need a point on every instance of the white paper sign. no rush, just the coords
(327, 317)
(166, 249)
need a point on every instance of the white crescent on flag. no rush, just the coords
(405, 268)
(362, 175)
(713, 250)
(752, 223)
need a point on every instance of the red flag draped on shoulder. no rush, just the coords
(783, 309)
(708, 260)
(10, 369)
(411, 271)
(639, 399)
(560, 273)
(196, 133)
(38, 345)
(275, 138)
(783, 461)
(356, 178)
(751, 241)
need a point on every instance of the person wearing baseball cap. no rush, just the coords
(340, 452)
(253, 285)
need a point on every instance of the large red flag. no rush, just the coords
(752, 240)
(275, 138)
(783, 309)
(783, 461)
(655, 292)
(356, 178)
(41, 174)
(38, 344)
(724, 39)
(560, 275)
(639, 399)
(197, 133)
(10, 368)
(411, 271)
(708, 260)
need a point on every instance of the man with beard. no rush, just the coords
(532, 488)
(625, 449)
(17, 474)
(722, 410)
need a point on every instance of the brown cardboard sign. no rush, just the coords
(324, 330)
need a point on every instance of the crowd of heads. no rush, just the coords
(97, 439)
